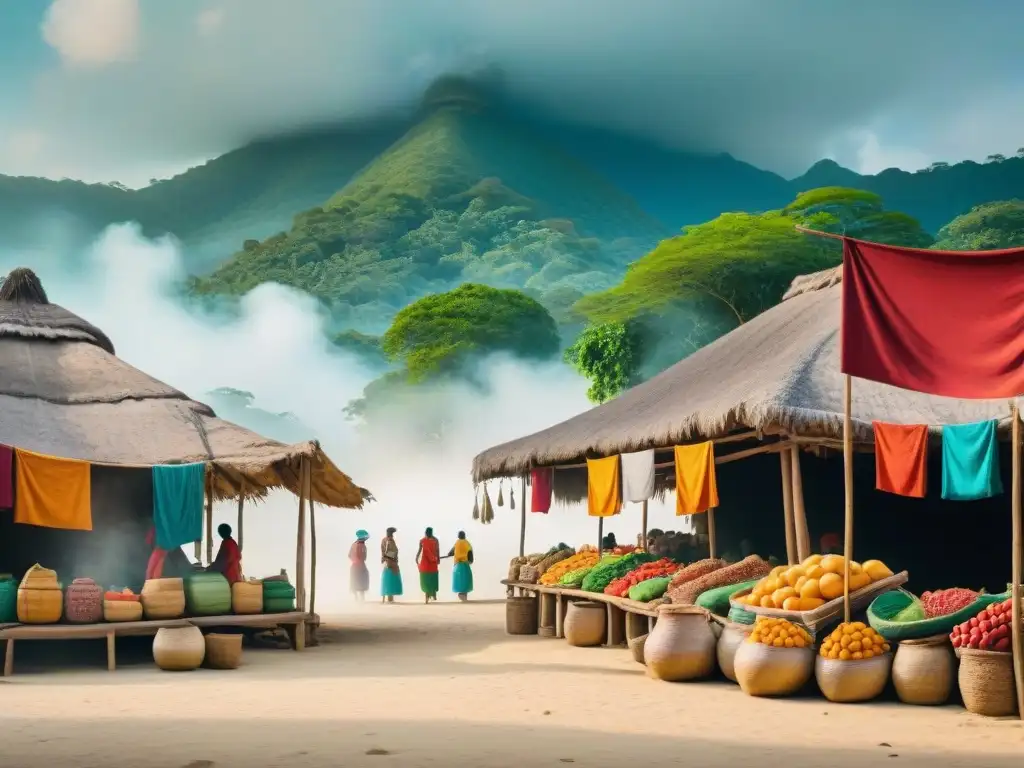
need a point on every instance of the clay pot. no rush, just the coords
(179, 649)
(762, 670)
(923, 671)
(733, 635)
(83, 602)
(854, 680)
(585, 624)
(680, 647)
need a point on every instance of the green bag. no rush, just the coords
(717, 600)
(8, 601)
(278, 597)
(650, 589)
(741, 616)
(208, 594)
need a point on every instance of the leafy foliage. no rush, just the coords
(986, 227)
(856, 213)
(608, 355)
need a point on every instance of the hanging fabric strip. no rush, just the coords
(541, 483)
(6, 477)
(51, 492)
(970, 461)
(178, 500)
(604, 497)
(944, 323)
(638, 475)
(696, 483)
(901, 458)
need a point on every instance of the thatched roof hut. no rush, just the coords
(63, 392)
(778, 373)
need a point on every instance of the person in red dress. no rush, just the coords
(229, 556)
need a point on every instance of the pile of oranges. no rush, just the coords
(779, 633)
(852, 642)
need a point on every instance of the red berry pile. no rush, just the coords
(943, 602)
(988, 631)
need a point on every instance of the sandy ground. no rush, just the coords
(441, 685)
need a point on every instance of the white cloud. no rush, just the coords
(92, 33)
(209, 21)
(874, 157)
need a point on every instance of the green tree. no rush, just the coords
(608, 355)
(856, 213)
(985, 227)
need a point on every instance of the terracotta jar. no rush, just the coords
(680, 647)
(83, 602)
(923, 671)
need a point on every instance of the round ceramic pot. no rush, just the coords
(179, 649)
(732, 637)
(585, 624)
(680, 647)
(762, 670)
(923, 671)
(855, 680)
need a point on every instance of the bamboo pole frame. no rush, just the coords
(522, 519)
(240, 522)
(712, 539)
(209, 516)
(786, 464)
(848, 490)
(312, 554)
(803, 533)
(300, 543)
(643, 525)
(600, 535)
(1016, 559)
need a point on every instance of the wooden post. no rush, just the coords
(600, 535)
(312, 547)
(848, 487)
(786, 462)
(209, 519)
(1018, 556)
(803, 533)
(300, 543)
(240, 523)
(522, 520)
(643, 525)
(197, 545)
(712, 543)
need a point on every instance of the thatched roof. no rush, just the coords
(64, 393)
(778, 371)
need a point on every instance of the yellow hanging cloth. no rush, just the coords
(52, 493)
(696, 486)
(603, 496)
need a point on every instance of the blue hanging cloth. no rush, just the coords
(970, 461)
(178, 496)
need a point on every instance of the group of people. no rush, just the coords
(428, 561)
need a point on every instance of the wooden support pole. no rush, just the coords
(848, 488)
(786, 462)
(522, 520)
(197, 545)
(712, 542)
(803, 533)
(643, 526)
(600, 535)
(312, 552)
(1018, 556)
(240, 523)
(300, 543)
(209, 518)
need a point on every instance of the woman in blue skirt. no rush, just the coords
(462, 574)
(391, 575)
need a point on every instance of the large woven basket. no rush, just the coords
(923, 671)
(38, 577)
(528, 574)
(247, 596)
(513, 567)
(179, 649)
(163, 585)
(40, 606)
(521, 616)
(636, 647)
(763, 670)
(163, 605)
(122, 610)
(223, 651)
(986, 682)
(585, 624)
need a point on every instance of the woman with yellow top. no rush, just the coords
(462, 574)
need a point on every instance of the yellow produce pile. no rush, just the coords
(853, 641)
(780, 633)
(814, 582)
(580, 560)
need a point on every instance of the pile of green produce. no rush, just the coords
(574, 579)
(649, 589)
(602, 574)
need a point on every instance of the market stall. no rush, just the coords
(95, 455)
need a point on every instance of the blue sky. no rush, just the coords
(134, 89)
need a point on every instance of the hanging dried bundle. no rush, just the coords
(511, 498)
(476, 504)
(501, 497)
(487, 513)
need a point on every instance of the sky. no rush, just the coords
(130, 90)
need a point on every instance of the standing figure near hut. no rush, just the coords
(609, 542)
(428, 556)
(163, 563)
(462, 574)
(358, 573)
(391, 575)
(229, 556)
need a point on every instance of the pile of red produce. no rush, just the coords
(620, 587)
(988, 631)
(943, 602)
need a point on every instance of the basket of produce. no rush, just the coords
(717, 600)
(986, 682)
(811, 594)
(681, 646)
(611, 568)
(521, 616)
(83, 602)
(853, 663)
(153, 586)
(621, 586)
(581, 560)
(8, 600)
(775, 659)
(278, 597)
(122, 610)
(513, 567)
(247, 597)
(923, 670)
(574, 579)
(207, 594)
(733, 635)
(528, 574)
(688, 585)
(556, 555)
(649, 589)
(223, 651)
(585, 624)
(899, 615)
(988, 630)
(636, 647)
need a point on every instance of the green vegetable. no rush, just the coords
(913, 612)
(605, 572)
(575, 578)
(717, 600)
(648, 590)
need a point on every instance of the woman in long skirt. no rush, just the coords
(391, 575)
(427, 558)
(462, 574)
(358, 573)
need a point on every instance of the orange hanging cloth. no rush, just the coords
(901, 458)
(696, 484)
(604, 498)
(52, 493)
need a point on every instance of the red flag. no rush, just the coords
(942, 322)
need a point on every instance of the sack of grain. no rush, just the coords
(752, 567)
(528, 574)
(696, 570)
(513, 567)
(553, 558)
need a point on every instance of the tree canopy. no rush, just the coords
(985, 227)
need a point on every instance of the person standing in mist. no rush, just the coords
(358, 573)
(428, 556)
(391, 575)
(462, 574)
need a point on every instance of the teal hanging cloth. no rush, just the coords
(970, 461)
(178, 495)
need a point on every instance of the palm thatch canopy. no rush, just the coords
(778, 373)
(64, 393)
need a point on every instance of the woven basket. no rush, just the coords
(585, 624)
(986, 682)
(38, 577)
(513, 567)
(153, 586)
(546, 631)
(83, 602)
(762, 670)
(122, 610)
(179, 649)
(223, 651)
(247, 597)
(846, 682)
(923, 670)
(40, 606)
(528, 574)
(884, 607)
(163, 605)
(729, 641)
(521, 616)
(207, 594)
(636, 647)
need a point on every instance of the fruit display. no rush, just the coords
(696, 570)
(852, 642)
(812, 583)
(943, 602)
(779, 633)
(649, 589)
(611, 568)
(988, 631)
(557, 570)
(623, 549)
(752, 567)
(620, 587)
(554, 555)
